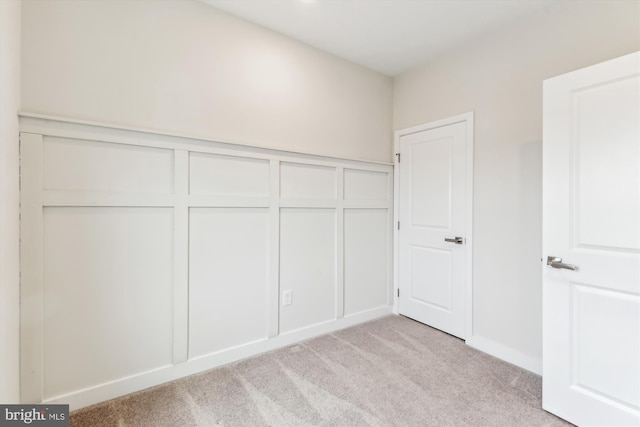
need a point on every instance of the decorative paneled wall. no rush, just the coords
(147, 257)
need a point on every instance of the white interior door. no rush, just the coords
(591, 326)
(434, 234)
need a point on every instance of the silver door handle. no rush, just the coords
(456, 240)
(556, 262)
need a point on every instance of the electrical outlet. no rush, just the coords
(286, 297)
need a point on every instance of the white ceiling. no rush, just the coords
(389, 36)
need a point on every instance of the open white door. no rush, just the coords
(591, 221)
(434, 239)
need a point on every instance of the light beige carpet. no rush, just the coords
(389, 372)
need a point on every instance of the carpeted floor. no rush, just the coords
(389, 372)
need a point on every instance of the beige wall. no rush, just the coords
(9, 199)
(185, 67)
(500, 78)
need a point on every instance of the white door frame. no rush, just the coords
(468, 118)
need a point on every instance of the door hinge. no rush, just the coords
(398, 292)
(398, 156)
(398, 225)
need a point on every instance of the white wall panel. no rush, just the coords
(147, 257)
(228, 251)
(81, 165)
(307, 266)
(217, 175)
(305, 181)
(107, 294)
(366, 259)
(365, 185)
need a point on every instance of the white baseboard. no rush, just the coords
(505, 353)
(86, 397)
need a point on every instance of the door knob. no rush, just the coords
(556, 262)
(456, 240)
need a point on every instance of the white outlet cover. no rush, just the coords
(286, 297)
